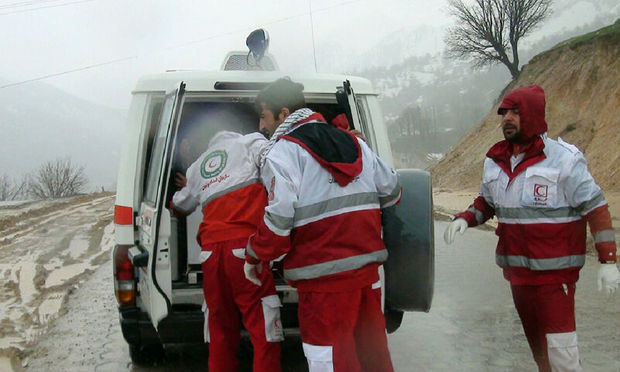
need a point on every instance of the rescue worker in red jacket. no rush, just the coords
(224, 181)
(543, 195)
(325, 190)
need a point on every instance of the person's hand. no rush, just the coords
(608, 277)
(358, 134)
(459, 225)
(251, 271)
(180, 180)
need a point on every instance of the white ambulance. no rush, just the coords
(173, 115)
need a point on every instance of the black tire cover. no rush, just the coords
(408, 236)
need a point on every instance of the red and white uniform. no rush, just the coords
(542, 199)
(224, 181)
(326, 188)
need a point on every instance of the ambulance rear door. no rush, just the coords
(153, 219)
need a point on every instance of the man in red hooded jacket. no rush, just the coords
(326, 188)
(543, 195)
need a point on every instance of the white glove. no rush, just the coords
(608, 277)
(459, 225)
(251, 270)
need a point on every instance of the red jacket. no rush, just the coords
(542, 204)
(326, 189)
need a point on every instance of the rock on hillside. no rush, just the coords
(581, 79)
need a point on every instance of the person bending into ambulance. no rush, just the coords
(224, 181)
(325, 190)
(543, 195)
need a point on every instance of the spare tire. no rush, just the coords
(408, 235)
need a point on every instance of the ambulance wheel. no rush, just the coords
(146, 355)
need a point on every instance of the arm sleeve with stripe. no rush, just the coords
(586, 196)
(272, 238)
(477, 213)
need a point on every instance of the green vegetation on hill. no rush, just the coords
(609, 31)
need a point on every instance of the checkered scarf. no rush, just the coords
(290, 120)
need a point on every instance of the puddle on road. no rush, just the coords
(5, 364)
(9, 342)
(50, 307)
(27, 290)
(78, 246)
(63, 274)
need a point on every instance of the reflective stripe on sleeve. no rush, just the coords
(335, 266)
(588, 206)
(605, 236)
(279, 224)
(391, 199)
(539, 264)
(478, 214)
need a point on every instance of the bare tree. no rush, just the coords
(10, 190)
(489, 31)
(6, 187)
(57, 179)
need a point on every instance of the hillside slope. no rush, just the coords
(581, 79)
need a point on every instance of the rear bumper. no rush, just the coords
(185, 326)
(178, 327)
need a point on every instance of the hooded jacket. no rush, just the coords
(542, 204)
(325, 191)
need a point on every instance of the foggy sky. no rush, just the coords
(97, 49)
(132, 38)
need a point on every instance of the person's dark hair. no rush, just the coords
(279, 94)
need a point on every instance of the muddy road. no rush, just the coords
(47, 249)
(472, 325)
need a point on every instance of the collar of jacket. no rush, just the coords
(502, 151)
(336, 150)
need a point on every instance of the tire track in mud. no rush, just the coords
(34, 220)
(44, 257)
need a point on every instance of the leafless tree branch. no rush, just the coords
(57, 179)
(488, 31)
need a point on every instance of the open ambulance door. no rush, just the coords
(153, 220)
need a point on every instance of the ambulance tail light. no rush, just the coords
(124, 283)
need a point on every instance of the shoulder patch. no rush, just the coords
(213, 164)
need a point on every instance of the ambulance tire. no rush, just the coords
(146, 355)
(409, 238)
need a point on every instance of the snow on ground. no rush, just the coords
(47, 249)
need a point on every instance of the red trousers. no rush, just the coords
(547, 313)
(344, 330)
(232, 300)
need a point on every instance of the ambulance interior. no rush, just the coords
(200, 120)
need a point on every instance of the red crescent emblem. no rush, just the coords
(540, 190)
